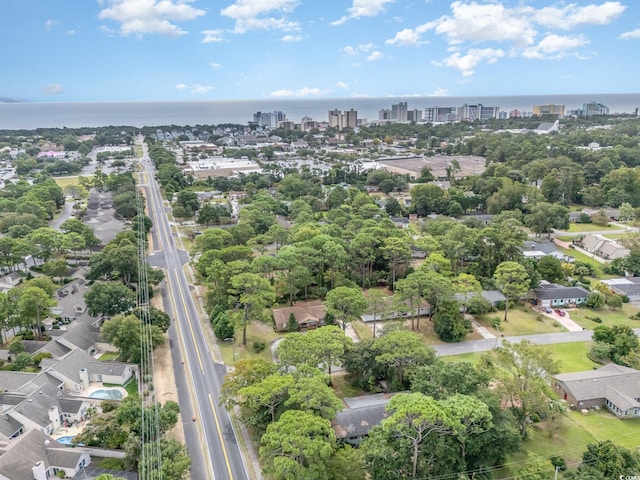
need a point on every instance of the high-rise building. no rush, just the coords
(470, 113)
(594, 108)
(269, 119)
(340, 120)
(414, 115)
(549, 109)
(440, 114)
(399, 112)
(384, 115)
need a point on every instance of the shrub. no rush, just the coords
(259, 346)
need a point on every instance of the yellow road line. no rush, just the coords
(224, 450)
(193, 335)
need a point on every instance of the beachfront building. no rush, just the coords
(346, 119)
(548, 109)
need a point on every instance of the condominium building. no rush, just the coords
(440, 114)
(399, 112)
(594, 108)
(346, 119)
(269, 119)
(549, 109)
(470, 113)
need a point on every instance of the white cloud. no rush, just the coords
(53, 89)
(363, 8)
(467, 63)
(554, 46)
(259, 15)
(439, 92)
(301, 92)
(215, 66)
(632, 35)
(195, 89)
(212, 36)
(361, 48)
(376, 55)
(342, 85)
(572, 15)
(200, 89)
(405, 37)
(49, 24)
(141, 17)
(521, 27)
(292, 38)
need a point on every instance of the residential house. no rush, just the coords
(602, 247)
(554, 295)
(10, 280)
(354, 423)
(308, 315)
(34, 456)
(492, 296)
(390, 311)
(613, 386)
(400, 222)
(609, 212)
(629, 287)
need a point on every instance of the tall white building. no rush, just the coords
(346, 119)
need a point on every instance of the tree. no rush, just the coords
(400, 350)
(123, 332)
(297, 446)
(321, 348)
(605, 459)
(253, 293)
(261, 400)
(73, 242)
(34, 305)
(414, 420)
(472, 414)
(546, 216)
(512, 280)
(223, 327)
(595, 300)
(246, 372)
(313, 395)
(345, 304)
(441, 379)
(524, 370)
(550, 269)
(174, 460)
(378, 305)
(397, 251)
(449, 322)
(109, 298)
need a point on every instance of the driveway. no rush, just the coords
(565, 321)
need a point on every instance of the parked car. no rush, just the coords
(548, 310)
(560, 312)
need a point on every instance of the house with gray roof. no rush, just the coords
(554, 295)
(602, 247)
(34, 456)
(613, 386)
(353, 424)
(628, 286)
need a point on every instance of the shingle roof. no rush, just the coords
(593, 384)
(560, 293)
(357, 422)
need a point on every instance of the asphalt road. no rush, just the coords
(210, 439)
(484, 345)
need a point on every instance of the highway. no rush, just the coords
(210, 439)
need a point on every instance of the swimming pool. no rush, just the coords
(107, 394)
(65, 440)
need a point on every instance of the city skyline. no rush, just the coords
(172, 50)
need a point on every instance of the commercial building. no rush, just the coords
(594, 108)
(549, 109)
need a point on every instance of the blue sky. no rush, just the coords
(152, 50)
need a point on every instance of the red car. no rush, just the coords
(560, 312)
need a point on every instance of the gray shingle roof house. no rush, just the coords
(353, 424)
(629, 286)
(554, 295)
(34, 456)
(613, 386)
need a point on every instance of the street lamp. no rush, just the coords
(233, 347)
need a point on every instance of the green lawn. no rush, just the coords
(572, 356)
(618, 236)
(603, 425)
(473, 357)
(521, 321)
(609, 317)
(587, 227)
(341, 384)
(363, 330)
(255, 333)
(64, 182)
(588, 259)
(109, 356)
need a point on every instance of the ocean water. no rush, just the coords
(14, 116)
